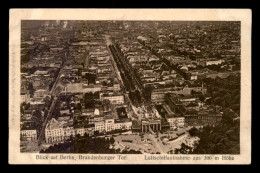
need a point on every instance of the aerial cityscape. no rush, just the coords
(130, 87)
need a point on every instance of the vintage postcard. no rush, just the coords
(130, 86)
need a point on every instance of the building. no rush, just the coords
(40, 93)
(214, 62)
(151, 125)
(25, 96)
(110, 124)
(114, 99)
(176, 121)
(203, 118)
(28, 131)
(81, 88)
(167, 113)
(37, 101)
(136, 126)
(100, 126)
(40, 72)
(58, 131)
(157, 95)
(79, 131)
(193, 77)
(29, 135)
(125, 124)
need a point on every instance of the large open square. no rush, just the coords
(151, 143)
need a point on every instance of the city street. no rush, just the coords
(54, 94)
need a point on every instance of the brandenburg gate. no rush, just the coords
(155, 125)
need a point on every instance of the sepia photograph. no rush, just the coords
(110, 89)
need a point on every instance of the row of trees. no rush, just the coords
(24, 106)
(91, 78)
(92, 96)
(31, 89)
(28, 54)
(125, 73)
(147, 92)
(87, 144)
(135, 97)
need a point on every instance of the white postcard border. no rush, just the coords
(16, 15)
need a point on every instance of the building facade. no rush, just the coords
(116, 99)
(29, 135)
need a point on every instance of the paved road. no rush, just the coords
(108, 43)
(53, 93)
(156, 144)
(41, 137)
